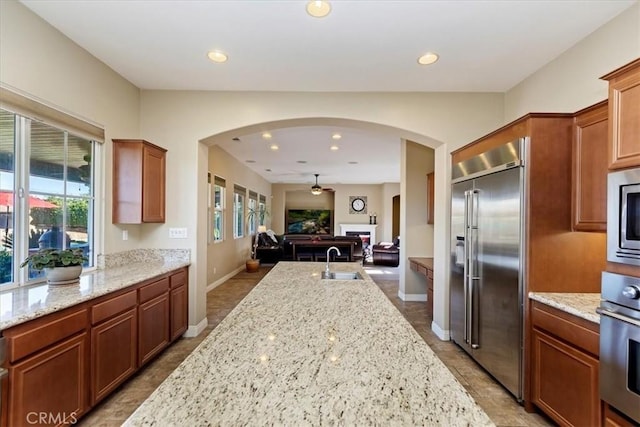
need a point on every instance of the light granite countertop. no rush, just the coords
(303, 351)
(579, 304)
(117, 271)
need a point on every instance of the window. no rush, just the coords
(252, 207)
(239, 194)
(219, 186)
(262, 207)
(47, 197)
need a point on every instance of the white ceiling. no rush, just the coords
(484, 46)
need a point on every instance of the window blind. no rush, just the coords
(253, 195)
(220, 182)
(239, 190)
(263, 199)
(37, 110)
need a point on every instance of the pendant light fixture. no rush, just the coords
(316, 190)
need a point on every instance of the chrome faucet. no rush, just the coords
(327, 271)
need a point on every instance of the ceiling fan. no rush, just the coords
(316, 190)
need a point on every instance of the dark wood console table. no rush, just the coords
(346, 247)
(424, 267)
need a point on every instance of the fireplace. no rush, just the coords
(366, 232)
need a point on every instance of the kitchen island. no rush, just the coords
(300, 350)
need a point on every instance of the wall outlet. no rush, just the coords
(125, 234)
(178, 233)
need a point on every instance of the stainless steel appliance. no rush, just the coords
(623, 216)
(620, 343)
(486, 266)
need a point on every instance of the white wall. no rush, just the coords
(416, 236)
(572, 81)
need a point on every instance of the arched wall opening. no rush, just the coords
(418, 242)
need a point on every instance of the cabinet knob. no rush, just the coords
(631, 292)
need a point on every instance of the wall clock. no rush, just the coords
(357, 204)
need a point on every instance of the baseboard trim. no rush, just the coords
(195, 330)
(412, 297)
(443, 334)
(224, 278)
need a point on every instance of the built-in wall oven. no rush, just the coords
(623, 216)
(620, 343)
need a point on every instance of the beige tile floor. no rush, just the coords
(498, 403)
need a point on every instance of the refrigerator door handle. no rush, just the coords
(465, 274)
(473, 263)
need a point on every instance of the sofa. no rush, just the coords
(270, 251)
(386, 253)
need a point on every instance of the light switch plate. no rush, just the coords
(178, 233)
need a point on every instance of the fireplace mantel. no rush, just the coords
(370, 228)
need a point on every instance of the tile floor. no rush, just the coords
(498, 403)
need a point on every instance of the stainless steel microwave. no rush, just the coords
(623, 216)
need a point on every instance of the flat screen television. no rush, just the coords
(309, 221)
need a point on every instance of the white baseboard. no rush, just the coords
(224, 278)
(194, 331)
(443, 334)
(412, 297)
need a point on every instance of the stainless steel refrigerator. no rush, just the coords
(486, 261)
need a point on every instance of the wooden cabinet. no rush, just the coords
(624, 116)
(612, 418)
(564, 366)
(139, 173)
(590, 168)
(179, 303)
(63, 363)
(48, 369)
(153, 320)
(430, 197)
(115, 327)
(424, 267)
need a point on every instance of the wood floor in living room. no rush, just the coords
(496, 402)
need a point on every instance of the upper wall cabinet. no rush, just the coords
(624, 116)
(138, 182)
(589, 178)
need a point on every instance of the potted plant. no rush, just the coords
(61, 266)
(253, 264)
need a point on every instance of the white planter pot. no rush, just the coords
(63, 275)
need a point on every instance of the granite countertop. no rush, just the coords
(579, 304)
(117, 271)
(299, 350)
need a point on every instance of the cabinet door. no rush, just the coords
(624, 116)
(113, 353)
(179, 311)
(590, 168)
(153, 327)
(564, 382)
(51, 384)
(153, 184)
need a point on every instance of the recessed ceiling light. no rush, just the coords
(334, 148)
(266, 135)
(274, 147)
(428, 58)
(268, 170)
(336, 136)
(217, 56)
(353, 163)
(318, 9)
(236, 139)
(301, 161)
(250, 161)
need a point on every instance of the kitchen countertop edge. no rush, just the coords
(582, 305)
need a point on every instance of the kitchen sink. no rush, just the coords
(342, 275)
